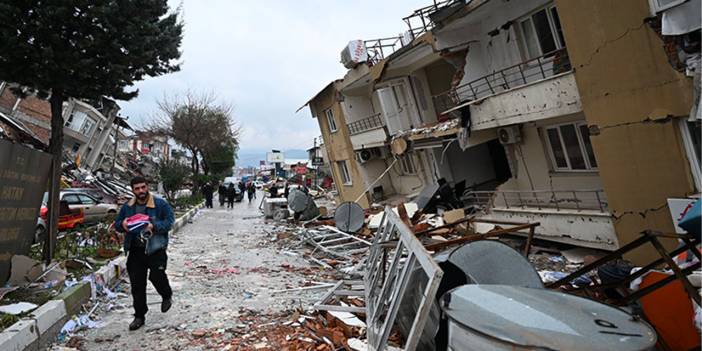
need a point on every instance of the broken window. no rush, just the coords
(344, 172)
(330, 120)
(541, 32)
(570, 148)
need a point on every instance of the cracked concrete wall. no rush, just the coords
(625, 84)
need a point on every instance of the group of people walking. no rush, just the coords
(228, 193)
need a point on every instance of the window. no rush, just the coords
(570, 148)
(86, 200)
(71, 199)
(330, 120)
(541, 32)
(80, 122)
(344, 172)
(407, 164)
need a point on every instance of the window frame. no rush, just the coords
(65, 198)
(90, 199)
(526, 55)
(581, 144)
(331, 122)
(407, 165)
(344, 171)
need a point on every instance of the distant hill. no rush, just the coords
(251, 158)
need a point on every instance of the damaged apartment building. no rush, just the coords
(579, 115)
(91, 130)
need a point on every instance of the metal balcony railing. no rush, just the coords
(592, 200)
(379, 49)
(419, 21)
(373, 122)
(542, 67)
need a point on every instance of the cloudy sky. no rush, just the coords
(267, 58)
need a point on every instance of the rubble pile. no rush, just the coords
(358, 256)
(293, 330)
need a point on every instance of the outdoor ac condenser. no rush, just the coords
(509, 135)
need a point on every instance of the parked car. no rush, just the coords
(94, 192)
(68, 219)
(258, 184)
(93, 209)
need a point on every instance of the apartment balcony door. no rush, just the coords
(398, 105)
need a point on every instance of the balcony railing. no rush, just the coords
(373, 122)
(379, 49)
(419, 21)
(578, 200)
(530, 71)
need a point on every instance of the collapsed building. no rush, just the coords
(526, 116)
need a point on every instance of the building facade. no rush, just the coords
(528, 117)
(326, 108)
(88, 129)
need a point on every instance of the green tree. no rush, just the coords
(84, 49)
(220, 159)
(173, 175)
(202, 126)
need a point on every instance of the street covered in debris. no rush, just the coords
(409, 175)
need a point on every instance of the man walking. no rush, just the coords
(207, 191)
(231, 193)
(146, 221)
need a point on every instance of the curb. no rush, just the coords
(182, 220)
(40, 328)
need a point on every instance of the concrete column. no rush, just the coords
(99, 144)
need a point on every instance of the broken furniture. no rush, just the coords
(650, 288)
(500, 317)
(688, 243)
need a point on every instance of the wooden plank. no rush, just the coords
(351, 309)
(467, 239)
(342, 292)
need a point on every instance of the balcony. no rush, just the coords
(368, 132)
(419, 21)
(508, 79)
(577, 217)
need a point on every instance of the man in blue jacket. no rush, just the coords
(146, 247)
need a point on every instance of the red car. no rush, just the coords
(68, 219)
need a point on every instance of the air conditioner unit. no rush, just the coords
(354, 53)
(366, 155)
(509, 135)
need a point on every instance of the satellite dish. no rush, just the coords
(349, 217)
(297, 200)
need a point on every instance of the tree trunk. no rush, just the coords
(56, 149)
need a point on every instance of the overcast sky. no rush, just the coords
(267, 58)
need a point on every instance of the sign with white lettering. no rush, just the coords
(23, 176)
